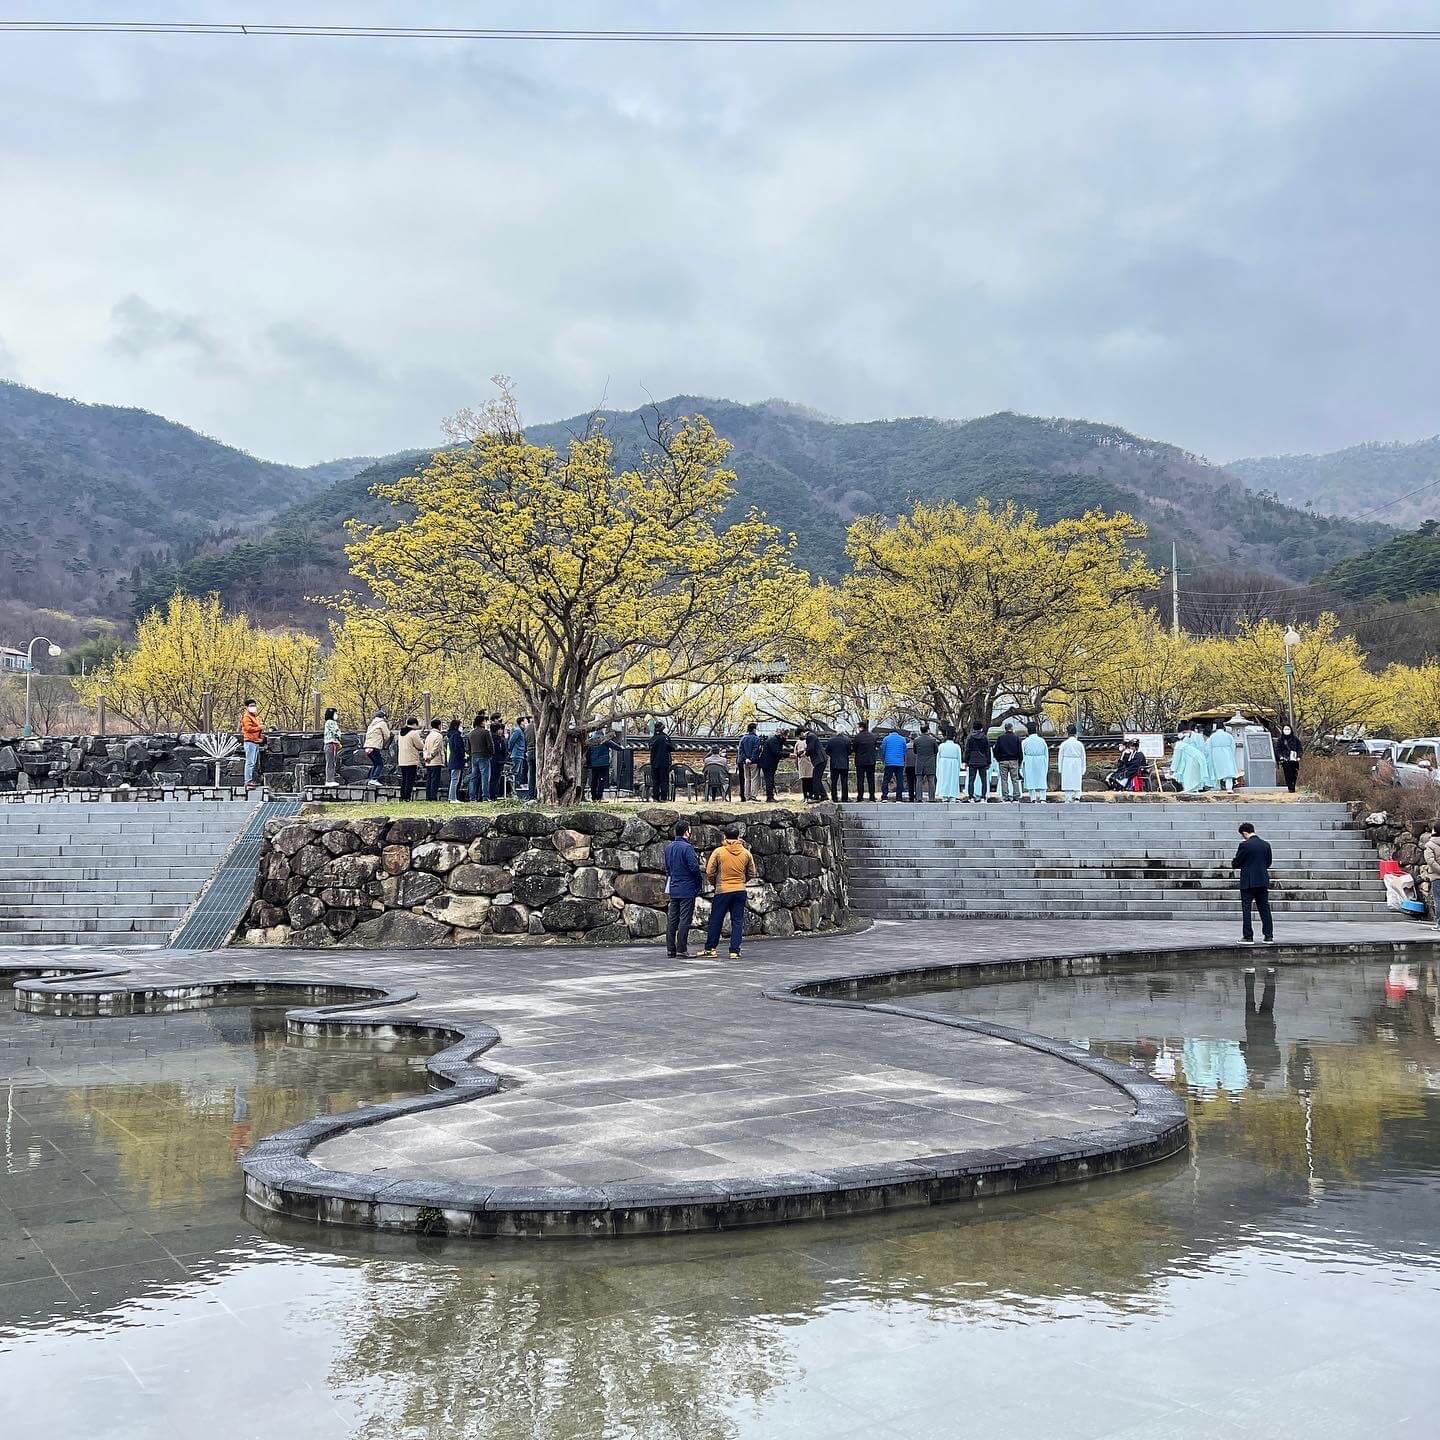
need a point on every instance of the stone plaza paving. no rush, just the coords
(620, 1068)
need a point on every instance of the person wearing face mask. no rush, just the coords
(252, 732)
(1288, 751)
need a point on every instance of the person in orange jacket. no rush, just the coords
(252, 732)
(730, 867)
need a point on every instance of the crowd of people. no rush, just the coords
(473, 764)
(927, 763)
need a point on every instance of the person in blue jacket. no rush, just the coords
(683, 879)
(516, 747)
(749, 755)
(892, 752)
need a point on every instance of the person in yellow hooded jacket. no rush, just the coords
(729, 869)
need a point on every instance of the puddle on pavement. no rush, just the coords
(1280, 1280)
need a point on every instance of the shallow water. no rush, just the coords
(1280, 1280)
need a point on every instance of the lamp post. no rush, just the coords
(1292, 639)
(29, 672)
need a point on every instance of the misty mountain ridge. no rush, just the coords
(109, 508)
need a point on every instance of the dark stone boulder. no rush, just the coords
(538, 889)
(305, 910)
(439, 856)
(575, 914)
(641, 889)
(312, 937)
(341, 922)
(615, 934)
(369, 833)
(661, 817)
(589, 882)
(540, 862)
(480, 879)
(466, 828)
(400, 930)
(591, 822)
(636, 832)
(508, 920)
(341, 842)
(395, 859)
(414, 887)
(652, 857)
(525, 822)
(643, 923)
(289, 839)
(309, 861)
(351, 872)
(497, 849)
(410, 831)
(265, 916)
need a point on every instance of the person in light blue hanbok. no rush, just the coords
(1222, 757)
(947, 767)
(1201, 742)
(1186, 764)
(1034, 766)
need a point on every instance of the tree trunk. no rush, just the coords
(559, 767)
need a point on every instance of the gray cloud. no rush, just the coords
(1230, 248)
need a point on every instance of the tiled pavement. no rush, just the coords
(621, 1065)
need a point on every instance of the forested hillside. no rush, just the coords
(110, 510)
(88, 490)
(1404, 566)
(1355, 481)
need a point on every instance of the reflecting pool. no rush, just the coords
(1280, 1280)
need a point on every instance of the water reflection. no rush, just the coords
(1280, 1279)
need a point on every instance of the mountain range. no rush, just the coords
(108, 510)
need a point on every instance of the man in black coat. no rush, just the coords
(772, 752)
(865, 746)
(837, 751)
(661, 749)
(815, 753)
(1253, 860)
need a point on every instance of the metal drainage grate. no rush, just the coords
(218, 910)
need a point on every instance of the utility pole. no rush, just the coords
(1174, 592)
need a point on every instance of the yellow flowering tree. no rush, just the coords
(1147, 679)
(1333, 689)
(585, 583)
(1412, 699)
(371, 663)
(979, 612)
(193, 645)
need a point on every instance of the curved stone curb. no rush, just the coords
(280, 1178)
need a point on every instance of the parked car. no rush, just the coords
(1417, 762)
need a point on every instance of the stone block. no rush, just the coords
(643, 923)
(652, 857)
(525, 822)
(565, 839)
(305, 910)
(661, 817)
(539, 889)
(497, 849)
(411, 830)
(370, 833)
(395, 859)
(539, 862)
(591, 883)
(471, 879)
(467, 911)
(778, 922)
(350, 872)
(337, 899)
(592, 822)
(402, 929)
(574, 914)
(438, 856)
(466, 828)
(612, 934)
(341, 842)
(636, 833)
(292, 838)
(641, 889)
(628, 860)
(762, 899)
(509, 919)
(416, 886)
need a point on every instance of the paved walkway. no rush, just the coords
(621, 1067)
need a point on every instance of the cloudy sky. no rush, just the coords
(314, 248)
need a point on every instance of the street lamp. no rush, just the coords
(29, 672)
(1292, 639)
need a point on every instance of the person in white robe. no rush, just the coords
(1222, 757)
(947, 768)
(1034, 766)
(1072, 765)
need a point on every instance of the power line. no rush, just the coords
(1374, 509)
(707, 37)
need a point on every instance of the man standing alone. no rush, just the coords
(1253, 860)
(683, 878)
(252, 733)
(837, 752)
(661, 750)
(866, 749)
(749, 755)
(927, 747)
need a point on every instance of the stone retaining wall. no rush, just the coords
(593, 874)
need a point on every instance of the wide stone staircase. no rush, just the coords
(1168, 861)
(108, 873)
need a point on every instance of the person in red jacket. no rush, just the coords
(252, 732)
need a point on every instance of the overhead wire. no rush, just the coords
(713, 37)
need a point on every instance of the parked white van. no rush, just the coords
(1417, 763)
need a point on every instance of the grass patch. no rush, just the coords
(364, 809)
